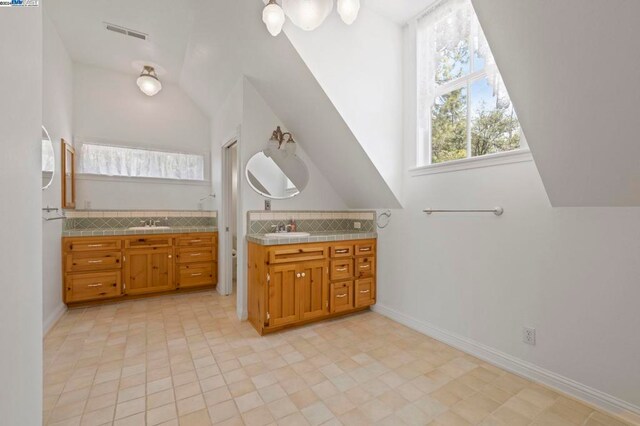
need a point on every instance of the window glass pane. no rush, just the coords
(131, 162)
(452, 46)
(449, 127)
(494, 124)
(482, 57)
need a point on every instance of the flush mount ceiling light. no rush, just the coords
(306, 14)
(148, 81)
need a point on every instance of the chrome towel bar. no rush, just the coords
(496, 210)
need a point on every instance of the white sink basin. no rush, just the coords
(287, 234)
(148, 228)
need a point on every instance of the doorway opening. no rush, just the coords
(229, 228)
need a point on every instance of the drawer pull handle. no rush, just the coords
(341, 269)
(94, 245)
(196, 275)
(342, 251)
(365, 266)
(95, 285)
(195, 241)
(364, 291)
(95, 261)
(196, 254)
(365, 249)
(341, 295)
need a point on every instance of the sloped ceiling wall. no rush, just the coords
(229, 39)
(359, 66)
(571, 68)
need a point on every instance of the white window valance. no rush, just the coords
(108, 160)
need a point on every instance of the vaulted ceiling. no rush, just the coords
(205, 46)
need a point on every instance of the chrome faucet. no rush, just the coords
(280, 228)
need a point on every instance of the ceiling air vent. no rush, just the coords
(125, 31)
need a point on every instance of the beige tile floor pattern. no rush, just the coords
(187, 360)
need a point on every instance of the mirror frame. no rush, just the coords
(66, 148)
(53, 173)
(271, 197)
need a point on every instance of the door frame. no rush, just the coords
(225, 286)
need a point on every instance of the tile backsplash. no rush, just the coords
(113, 219)
(262, 222)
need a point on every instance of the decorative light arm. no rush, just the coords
(279, 137)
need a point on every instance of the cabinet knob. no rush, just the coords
(304, 275)
(298, 275)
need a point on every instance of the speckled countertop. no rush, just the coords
(315, 237)
(125, 231)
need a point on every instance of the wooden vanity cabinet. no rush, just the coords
(299, 283)
(107, 268)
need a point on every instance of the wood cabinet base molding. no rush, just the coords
(113, 268)
(295, 284)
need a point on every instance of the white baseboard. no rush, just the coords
(53, 319)
(594, 397)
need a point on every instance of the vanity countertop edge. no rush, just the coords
(260, 239)
(126, 232)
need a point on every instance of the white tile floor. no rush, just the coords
(187, 360)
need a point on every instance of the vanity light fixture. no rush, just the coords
(306, 14)
(148, 81)
(278, 139)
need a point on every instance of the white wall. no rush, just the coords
(246, 112)
(359, 66)
(571, 273)
(20, 183)
(109, 108)
(57, 115)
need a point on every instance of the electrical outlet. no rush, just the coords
(267, 205)
(356, 225)
(529, 335)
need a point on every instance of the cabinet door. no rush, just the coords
(314, 289)
(283, 306)
(148, 270)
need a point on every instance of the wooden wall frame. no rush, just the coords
(68, 173)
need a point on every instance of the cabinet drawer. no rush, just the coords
(365, 248)
(365, 292)
(151, 241)
(195, 241)
(341, 297)
(342, 250)
(194, 274)
(341, 269)
(365, 266)
(93, 261)
(195, 254)
(92, 286)
(297, 254)
(88, 244)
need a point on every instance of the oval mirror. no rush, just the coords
(278, 176)
(48, 160)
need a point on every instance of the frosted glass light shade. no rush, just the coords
(148, 82)
(273, 18)
(348, 10)
(307, 14)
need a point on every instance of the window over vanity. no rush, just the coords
(111, 160)
(464, 110)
